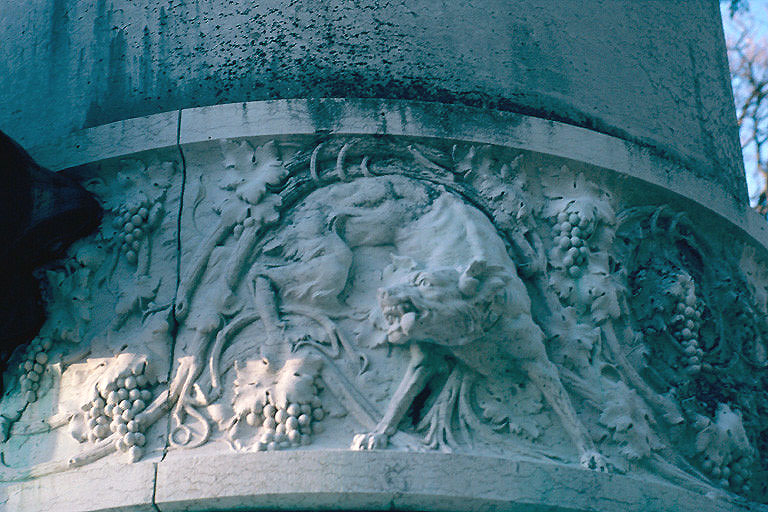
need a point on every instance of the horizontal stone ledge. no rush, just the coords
(388, 480)
(398, 118)
(106, 485)
(342, 480)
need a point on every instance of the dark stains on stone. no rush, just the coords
(100, 33)
(189, 54)
(710, 145)
(146, 75)
(118, 81)
(249, 84)
(325, 115)
(163, 83)
(58, 48)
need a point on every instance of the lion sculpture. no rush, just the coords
(454, 289)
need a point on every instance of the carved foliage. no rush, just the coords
(378, 293)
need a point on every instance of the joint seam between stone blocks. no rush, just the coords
(154, 485)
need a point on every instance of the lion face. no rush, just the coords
(441, 305)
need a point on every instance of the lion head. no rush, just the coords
(442, 305)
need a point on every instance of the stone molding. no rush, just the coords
(278, 118)
(358, 481)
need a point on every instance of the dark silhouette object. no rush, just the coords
(41, 214)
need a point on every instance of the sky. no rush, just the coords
(756, 15)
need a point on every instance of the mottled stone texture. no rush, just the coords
(650, 72)
(365, 255)
(332, 311)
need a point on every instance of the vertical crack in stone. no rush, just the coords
(154, 487)
(178, 222)
(174, 320)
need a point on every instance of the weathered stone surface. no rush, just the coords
(71, 64)
(433, 257)
(265, 296)
(420, 481)
(103, 486)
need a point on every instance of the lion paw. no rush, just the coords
(594, 461)
(370, 441)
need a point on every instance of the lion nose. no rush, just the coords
(386, 296)
(391, 295)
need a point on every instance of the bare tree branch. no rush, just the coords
(748, 58)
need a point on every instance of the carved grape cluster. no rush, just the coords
(572, 231)
(32, 368)
(730, 472)
(118, 411)
(133, 225)
(290, 426)
(685, 325)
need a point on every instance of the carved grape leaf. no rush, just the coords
(647, 303)
(250, 170)
(251, 385)
(136, 181)
(564, 188)
(506, 191)
(724, 438)
(267, 212)
(596, 292)
(512, 408)
(630, 423)
(69, 307)
(563, 285)
(372, 332)
(138, 298)
(606, 302)
(259, 381)
(574, 340)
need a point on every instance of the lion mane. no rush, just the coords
(427, 304)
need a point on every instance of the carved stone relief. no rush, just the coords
(374, 294)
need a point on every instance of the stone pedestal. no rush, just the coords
(384, 303)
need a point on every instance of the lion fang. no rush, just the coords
(407, 321)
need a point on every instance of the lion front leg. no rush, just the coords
(420, 369)
(544, 374)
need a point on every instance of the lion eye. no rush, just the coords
(424, 283)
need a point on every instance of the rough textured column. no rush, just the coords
(418, 256)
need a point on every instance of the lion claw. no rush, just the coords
(370, 441)
(593, 461)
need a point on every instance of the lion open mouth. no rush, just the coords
(400, 317)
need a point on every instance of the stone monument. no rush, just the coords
(417, 256)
